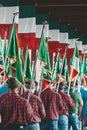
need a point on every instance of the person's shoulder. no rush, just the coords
(74, 95)
(34, 96)
(4, 95)
(65, 95)
(46, 91)
(37, 98)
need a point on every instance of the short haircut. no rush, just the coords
(61, 85)
(13, 83)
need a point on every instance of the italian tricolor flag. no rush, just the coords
(74, 65)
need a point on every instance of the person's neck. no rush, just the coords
(13, 91)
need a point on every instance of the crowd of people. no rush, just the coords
(22, 109)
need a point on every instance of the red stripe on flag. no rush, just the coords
(73, 74)
(7, 27)
(27, 39)
(45, 84)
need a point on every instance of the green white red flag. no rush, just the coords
(74, 65)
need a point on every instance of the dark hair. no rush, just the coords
(72, 87)
(13, 83)
(28, 82)
(61, 85)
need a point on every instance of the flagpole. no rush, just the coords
(69, 83)
(5, 47)
(53, 60)
(14, 14)
(56, 60)
(61, 69)
(70, 80)
(41, 71)
(53, 65)
(72, 68)
(5, 59)
(33, 75)
(40, 81)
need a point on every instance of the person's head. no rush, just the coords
(31, 83)
(13, 83)
(51, 85)
(27, 84)
(77, 83)
(72, 87)
(61, 86)
(83, 82)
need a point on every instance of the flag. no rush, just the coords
(13, 50)
(75, 64)
(85, 65)
(21, 51)
(6, 18)
(27, 67)
(1, 57)
(27, 26)
(84, 68)
(8, 68)
(4, 77)
(43, 56)
(1, 49)
(19, 75)
(40, 19)
(63, 37)
(56, 69)
(42, 50)
(72, 43)
(54, 38)
(64, 68)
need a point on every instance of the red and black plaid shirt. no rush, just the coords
(37, 105)
(52, 102)
(15, 109)
(67, 102)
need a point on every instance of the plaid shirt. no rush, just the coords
(52, 102)
(67, 102)
(15, 109)
(37, 105)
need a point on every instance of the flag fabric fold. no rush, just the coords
(75, 65)
(43, 56)
(27, 67)
(12, 51)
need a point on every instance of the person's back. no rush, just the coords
(84, 111)
(75, 114)
(37, 106)
(52, 102)
(15, 108)
(63, 113)
(15, 111)
(77, 100)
